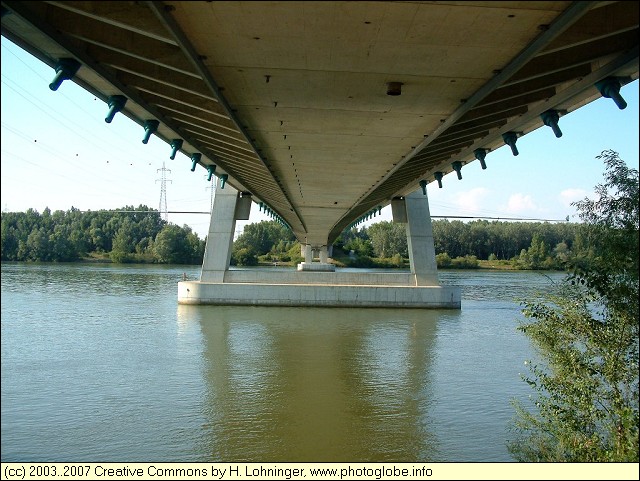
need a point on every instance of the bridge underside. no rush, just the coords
(325, 112)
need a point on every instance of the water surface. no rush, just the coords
(100, 363)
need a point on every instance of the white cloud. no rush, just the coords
(568, 196)
(520, 203)
(471, 200)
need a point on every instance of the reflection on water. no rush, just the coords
(303, 384)
(100, 363)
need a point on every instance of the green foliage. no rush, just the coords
(388, 239)
(610, 265)
(586, 402)
(67, 236)
(443, 260)
(357, 244)
(172, 246)
(294, 254)
(268, 240)
(122, 245)
(363, 261)
(502, 240)
(457, 243)
(465, 262)
(244, 256)
(263, 236)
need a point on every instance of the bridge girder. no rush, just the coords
(293, 100)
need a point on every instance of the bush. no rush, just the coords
(586, 335)
(466, 262)
(443, 260)
(244, 257)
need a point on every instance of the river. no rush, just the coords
(100, 364)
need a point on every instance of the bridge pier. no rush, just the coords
(422, 254)
(217, 253)
(318, 283)
(309, 254)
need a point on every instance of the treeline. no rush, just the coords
(139, 234)
(523, 245)
(265, 242)
(130, 234)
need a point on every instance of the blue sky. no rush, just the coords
(58, 152)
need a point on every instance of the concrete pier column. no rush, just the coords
(310, 251)
(307, 253)
(422, 254)
(217, 253)
(324, 258)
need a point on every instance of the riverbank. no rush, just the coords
(495, 265)
(374, 263)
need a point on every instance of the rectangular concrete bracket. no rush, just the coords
(398, 211)
(243, 207)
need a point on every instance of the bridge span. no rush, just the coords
(324, 112)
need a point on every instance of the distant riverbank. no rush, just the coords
(501, 265)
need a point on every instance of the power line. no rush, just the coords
(113, 211)
(213, 189)
(433, 216)
(496, 218)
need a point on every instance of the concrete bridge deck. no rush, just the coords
(325, 112)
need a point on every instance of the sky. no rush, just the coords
(58, 152)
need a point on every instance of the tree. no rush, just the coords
(388, 239)
(38, 245)
(62, 248)
(123, 244)
(586, 334)
(244, 256)
(171, 246)
(262, 236)
(360, 246)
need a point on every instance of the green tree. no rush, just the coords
(62, 248)
(171, 246)
(10, 239)
(388, 239)
(586, 334)
(195, 245)
(244, 256)
(38, 248)
(294, 254)
(537, 251)
(123, 245)
(361, 247)
(262, 236)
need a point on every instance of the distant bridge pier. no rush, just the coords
(309, 252)
(317, 283)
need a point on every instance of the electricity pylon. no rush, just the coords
(162, 208)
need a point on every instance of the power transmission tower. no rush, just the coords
(163, 192)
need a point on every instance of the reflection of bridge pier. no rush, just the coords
(313, 384)
(317, 283)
